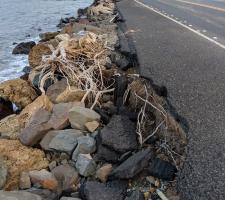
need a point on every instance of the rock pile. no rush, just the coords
(87, 127)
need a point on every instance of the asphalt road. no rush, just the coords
(205, 16)
(192, 67)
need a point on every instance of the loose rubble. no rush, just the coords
(87, 125)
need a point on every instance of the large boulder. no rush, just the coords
(18, 195)
(42, 102)
(60, 92)
(36, 54)
(65, 140)
(36, 128)
(79, 116)
(23, 47)
(60, 115)
(3, 173)
(120, 134)
(17, 91)
(19, 159)
(61, 140)
(10, 127)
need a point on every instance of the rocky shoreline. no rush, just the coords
(87, 126)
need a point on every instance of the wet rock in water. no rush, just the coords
(27, 69)
(6, 108)
(45, 194)
(65, 140)
(79, 116)
(23, 47)
(67, 177)
(92, 126)
(36, 128)
(47, 36)
(133, 165)
(93, 190)
(17, 91)
(85, 145)
(60, 115)
(45, 178)
(19, 159)
(120, 134)
(85, 165)
(18, 195)
(162, 169)
(25, 182)
(10, 127)
(103, 172)
(36, 54)
(135, 195)
(3, 173)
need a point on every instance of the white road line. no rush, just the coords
(183, 25)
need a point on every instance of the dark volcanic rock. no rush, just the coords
(105, 154)
(133, 165)
(23, 47)
(162, 169)
(135, 195)
(120, 134)
(93, 190)
(6, 108)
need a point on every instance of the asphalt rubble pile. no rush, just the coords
(87, 126)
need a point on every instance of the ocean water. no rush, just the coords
(24, 20)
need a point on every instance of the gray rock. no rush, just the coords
(133, 165)
(93, 190)
(67, 177)
(36, 128)
(23, 47)
(24, 181)
(79, 116)
(65, 141)
(31, 135)
(136, 195)
(60, 115)
(47, 139)
(69, 198)
(44, 193)
(18, 195)
(3, 173)
(85, 165)
(120, 134)
(86, 145)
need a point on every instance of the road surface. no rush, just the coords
(181, 45)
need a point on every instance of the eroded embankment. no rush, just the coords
(104, 130)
